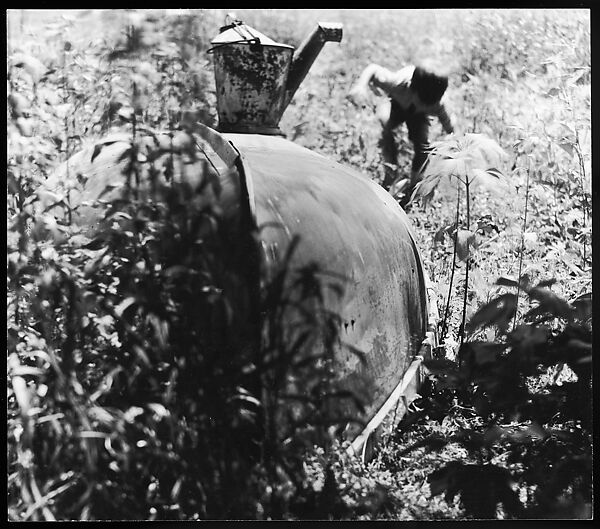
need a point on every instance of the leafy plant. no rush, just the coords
(160, 399)
(464, 161)
(534, 426)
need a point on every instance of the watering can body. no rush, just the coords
(256, 77)
(250, 78)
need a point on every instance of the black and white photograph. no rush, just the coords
(299, 264)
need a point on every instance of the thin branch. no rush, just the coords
(447, 309)
(467, 262)
(42, 502)
(521, 251)
(39, 500)
(585, 200)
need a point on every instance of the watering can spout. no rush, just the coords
(306, 54)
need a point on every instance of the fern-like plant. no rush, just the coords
(462, 161)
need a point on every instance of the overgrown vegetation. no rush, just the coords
(522, 409)
(142, 383)
(122, 405)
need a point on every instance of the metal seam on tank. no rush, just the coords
(422, 287)
(280, 218)
(248, 184)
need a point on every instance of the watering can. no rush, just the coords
(344, 221)
(257, 77)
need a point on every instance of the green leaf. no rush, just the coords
(507, 282)
(124, 305)
(49, 199)
(27, 370)
(96, 243)
(444, 230)
(493, 434)
(426, 187)
(19, 104)
(553, 92)
(141, 354)
(109, 140)
(492, 179)
(526, 337)
(486, 225)
(439, 364)
(445, 480)
(528, 434)
(486, 353)
(12, 183)
(33, 66)
(22, 393)
(158, 409)
(432, 442)
(483, 151)
(245, 396)
(466, 241)
(443, 167)
(161, 328)
(567, 146)
(546, 283)
(125, 113)
(25, 126)
(97, 149)
(498, 312)
(111, 187)
(582, 306)
(550, 302)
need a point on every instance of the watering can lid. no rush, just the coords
(240, 32)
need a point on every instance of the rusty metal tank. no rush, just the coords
(352, 228)
(345, 222)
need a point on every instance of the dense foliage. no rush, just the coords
(121, 401)
(143, 384)
(542, 426)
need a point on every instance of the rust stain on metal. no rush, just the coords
(251, 85)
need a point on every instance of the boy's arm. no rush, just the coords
(444, 118)
(375, 77)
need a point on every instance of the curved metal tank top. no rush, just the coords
(350, 226)
(346, 223)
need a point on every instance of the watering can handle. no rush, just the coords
(232, 19)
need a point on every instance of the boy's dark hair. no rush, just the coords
(429, 86)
